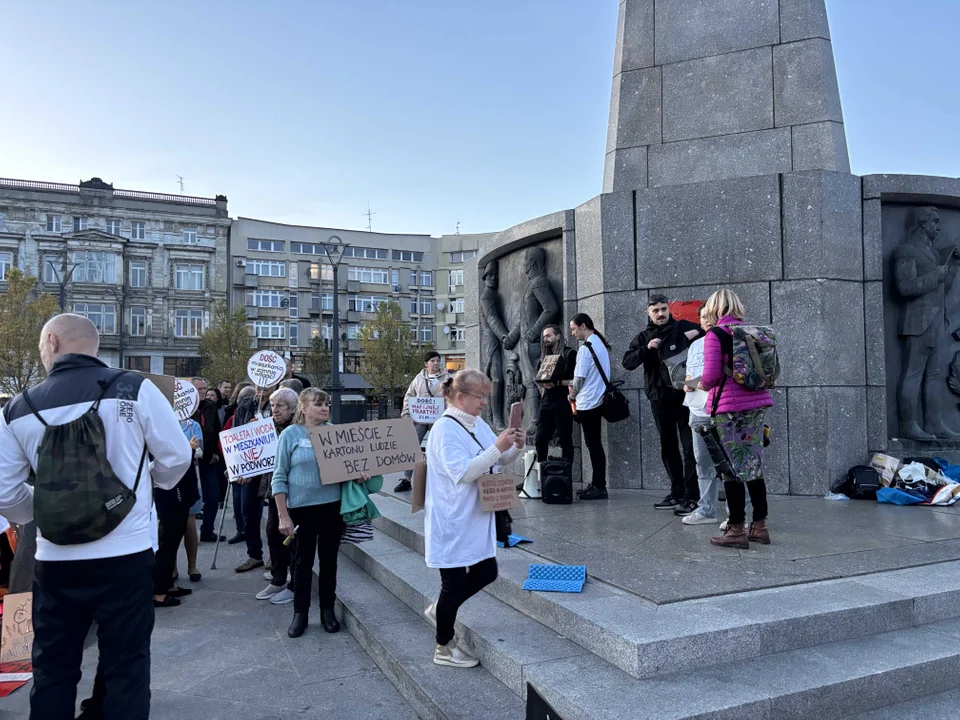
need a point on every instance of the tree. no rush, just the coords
(225, 345)
(316, 362)
(389, 359)
(23, 313)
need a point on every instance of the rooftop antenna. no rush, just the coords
(369, 214)
(180, 180)
(458, 227)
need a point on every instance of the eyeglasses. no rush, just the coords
(478, 397)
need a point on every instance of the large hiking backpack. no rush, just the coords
(755, 363)
(78, 498)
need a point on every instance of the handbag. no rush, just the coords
(615, 406)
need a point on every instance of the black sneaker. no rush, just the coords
(685, 508)
(238, 538)
(403, 486)
(593, 493)
(668, 503)
(588, 488)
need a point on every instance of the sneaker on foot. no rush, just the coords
(668, 503)
(452, 656)
(431, 614)
(268, 575)
(284, 597)
(403, 486)
(238, 538)
(685, 508)
(696, 518)
(593, 493)
(269, 591)
(249, 564)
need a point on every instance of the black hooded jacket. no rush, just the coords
(654, 382)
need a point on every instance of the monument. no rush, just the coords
(726, 165)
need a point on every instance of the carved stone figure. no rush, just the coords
(513, 377)
(923, 276)
(540, 307)
(492, 332)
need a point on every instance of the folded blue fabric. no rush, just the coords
(894, 496)
(514, 540)
(556, 578)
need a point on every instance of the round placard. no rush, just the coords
(185, 399)
(266, 368)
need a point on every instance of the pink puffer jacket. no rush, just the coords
(735, 397)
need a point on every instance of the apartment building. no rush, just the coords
(143, 266)
(452, 251)
(282, 277)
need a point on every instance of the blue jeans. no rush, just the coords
(706, 473)
(210, 493)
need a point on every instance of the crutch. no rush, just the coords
(226, 504)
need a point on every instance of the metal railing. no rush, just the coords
(37, 185)
(136, 194)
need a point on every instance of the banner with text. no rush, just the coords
(426, 410)
(250, 449)
(345, 452)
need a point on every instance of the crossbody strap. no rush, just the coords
(597, 363)
(482, 448)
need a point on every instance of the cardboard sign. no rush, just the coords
(419, 497)
(17, 639)
(345, 452)
(498, 492)
(426, 410)
(266, 368)
(185, 399)
(250, 449)
(165, 384)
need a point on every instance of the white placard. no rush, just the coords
(426, 410)
(186, 398)
(250, 449)
(266, 368)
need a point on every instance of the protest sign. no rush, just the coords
(250, 449)
(17, 639)
(345, 452)
(185, 399)
(498, 492)
(266, 368)
(164, 383)
(426, 410)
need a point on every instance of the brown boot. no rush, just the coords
(758, 532)
(734, 537)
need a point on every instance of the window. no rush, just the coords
(189, 323)
(328, 331)
(407, 256)
(456, 278)
(326, 301)
(95, 267)
(267, 268)
(368, 275)
(365, 303)
(294, 306)
(113, 227)
(426, 278)
(52, 270)
(413, 278)
(426, 333)
(294, 334)
(456, 306)
(138, 230)
(138, 321)
(1, 221)
(53, 223)
(459, 334)
(365, 253)
(6, 262)
(190, 236)
(103, 316)
(140, 363)
(138, 273)
(305, 248)
(352, 330)
(459, 257)
(268, 329)
(189, 277)
(426, 307)
(265, 298)
(79, 223)
(182, 366)
(267, 245)
(395, 280)
(319, 271)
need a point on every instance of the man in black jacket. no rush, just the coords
(669, 413)
(555, 413)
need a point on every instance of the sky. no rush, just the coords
(485, 113)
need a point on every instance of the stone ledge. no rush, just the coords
(912, 188)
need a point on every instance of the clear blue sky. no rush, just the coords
(486, 112)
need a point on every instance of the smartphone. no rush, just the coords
(516, 415)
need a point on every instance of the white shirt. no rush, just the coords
(457, 532)
(696, 400)
(591, 394)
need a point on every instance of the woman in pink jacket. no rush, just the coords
(739, 419)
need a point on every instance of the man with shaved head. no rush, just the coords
(94, 559)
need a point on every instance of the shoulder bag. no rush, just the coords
(615, 406)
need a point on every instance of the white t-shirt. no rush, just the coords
(696, 400)
(591, 394)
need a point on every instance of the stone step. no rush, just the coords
(401, 644)
(943, 706)
(830, 680)
(646, 640)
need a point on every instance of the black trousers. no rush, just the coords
(737, 499)
(67, 597)
(279, 553)
(321, 527)
(591, 422)
(172, 527)
(555, 417)
(673, 424)
(457, 585)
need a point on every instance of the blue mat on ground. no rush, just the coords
(556, 578)
(514, 540)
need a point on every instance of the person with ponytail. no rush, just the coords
(587, 391)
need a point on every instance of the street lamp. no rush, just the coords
(334, 248)
(62, 281)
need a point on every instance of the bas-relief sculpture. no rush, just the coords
(493, 330)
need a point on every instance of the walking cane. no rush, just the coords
(226, 504)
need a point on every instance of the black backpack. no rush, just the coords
(556, 482)
(861, 483)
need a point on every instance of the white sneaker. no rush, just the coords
(269, 591)
(695, 518)
(431, 614)
(268, 575)
(452, 656)
(284, 597)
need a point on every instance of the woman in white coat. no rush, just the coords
(460, 538)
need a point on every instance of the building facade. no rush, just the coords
(145, 267)
(452, 252)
